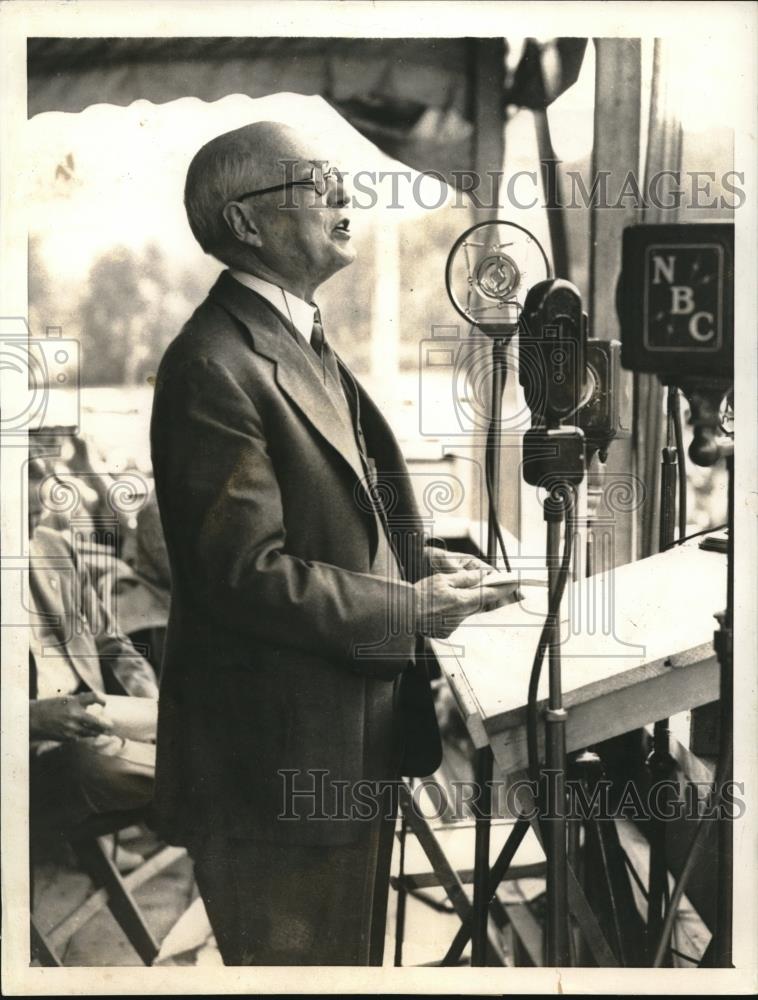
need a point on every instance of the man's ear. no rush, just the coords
(241, 224)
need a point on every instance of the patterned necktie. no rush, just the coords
(322, 349)
(317, 333)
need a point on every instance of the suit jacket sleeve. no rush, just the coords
(219, 482)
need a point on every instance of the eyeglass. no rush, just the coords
(320, 175)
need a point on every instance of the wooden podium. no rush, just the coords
(637, 646)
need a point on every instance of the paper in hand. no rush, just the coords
(130, 718)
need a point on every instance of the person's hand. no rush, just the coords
(444, 600)
(441, 561)
(66, 718)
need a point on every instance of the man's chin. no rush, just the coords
(340, 257)
(345, 253)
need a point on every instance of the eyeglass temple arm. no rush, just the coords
(276, 187)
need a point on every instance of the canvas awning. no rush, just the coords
(415, 98)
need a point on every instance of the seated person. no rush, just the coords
(67, 485)
(43, 482)
(82, 762)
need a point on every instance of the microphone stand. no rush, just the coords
(554, 460)
(556, 510)
(660, 764)
(484, 759)
(492, 276)
(707, 446)
(723, 642)
(719, 951)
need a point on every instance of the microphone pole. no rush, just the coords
(484, 760)
(552, 362)
(485, 280)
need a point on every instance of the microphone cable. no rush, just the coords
(675, 418)
(493, 514)
(696, 534)
(488, 471)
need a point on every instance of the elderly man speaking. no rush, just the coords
(294, 678)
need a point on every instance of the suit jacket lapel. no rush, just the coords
(297, 376)
(402, 515)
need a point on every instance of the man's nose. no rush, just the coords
(336, 195)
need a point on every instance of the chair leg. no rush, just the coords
(402, 895)
(40, 948)
(96, 861)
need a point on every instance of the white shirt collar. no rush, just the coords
(298, 310)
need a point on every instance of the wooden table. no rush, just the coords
(637, 646)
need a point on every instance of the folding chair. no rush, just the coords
(111, 887)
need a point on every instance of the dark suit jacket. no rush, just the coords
(271, 535)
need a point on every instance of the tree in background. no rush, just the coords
(112, 315)
(45, 307)
(124, 316)
(424, 247)
(133, 303)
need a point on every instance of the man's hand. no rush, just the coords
(66, 718)
(441, 561)
(444, 600)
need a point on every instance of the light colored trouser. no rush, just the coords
(73, 781)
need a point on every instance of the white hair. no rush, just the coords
(221, 171)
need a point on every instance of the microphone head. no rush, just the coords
(489, 271)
